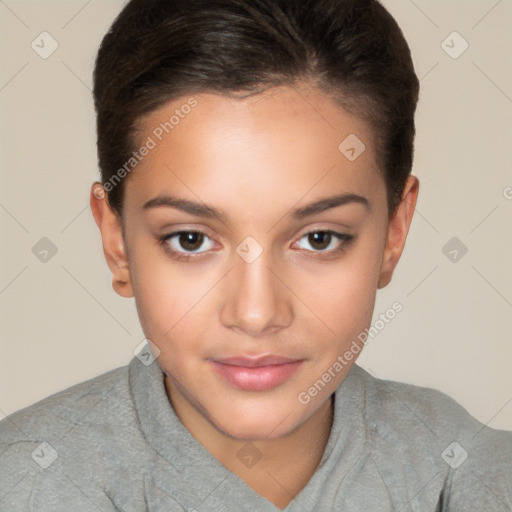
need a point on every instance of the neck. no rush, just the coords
(283, 465)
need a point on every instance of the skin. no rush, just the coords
(255, 159)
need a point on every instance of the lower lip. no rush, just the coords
(261, 378)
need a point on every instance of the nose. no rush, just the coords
(256, 300)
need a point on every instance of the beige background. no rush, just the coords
(61, 322)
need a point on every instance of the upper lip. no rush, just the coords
(256, 361)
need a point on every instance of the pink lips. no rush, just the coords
(256, 373)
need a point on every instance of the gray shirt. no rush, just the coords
(114, 443)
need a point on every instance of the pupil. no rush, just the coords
(321, 237)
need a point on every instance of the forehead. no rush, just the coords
(284, 144)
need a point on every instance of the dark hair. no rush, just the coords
(160, 50)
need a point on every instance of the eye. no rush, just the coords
(326, 241)
(182, 244)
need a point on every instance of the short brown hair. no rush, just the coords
(159, 50)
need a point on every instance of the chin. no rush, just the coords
(249, 432)
(255, 426)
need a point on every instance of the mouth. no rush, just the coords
(260, 373)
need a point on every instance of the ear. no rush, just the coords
(114, 248)
(397, 230)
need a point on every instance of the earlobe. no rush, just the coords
(113, 242)
(398, 229)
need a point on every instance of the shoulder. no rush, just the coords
(52, 444)
(69, 408)
(430, 433)
(398, 405)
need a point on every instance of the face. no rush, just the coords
(254, 248)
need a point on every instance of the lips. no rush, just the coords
(258, 373)
(256, 361)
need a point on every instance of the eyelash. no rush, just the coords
(342, 237)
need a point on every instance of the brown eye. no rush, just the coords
(319, 240)
(183, 244)
(325, 241)
(190, 240)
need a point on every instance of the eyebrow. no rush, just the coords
(206, 211)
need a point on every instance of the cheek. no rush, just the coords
(346, 308)
(167, 315)
(343, 294)
(163, 295)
